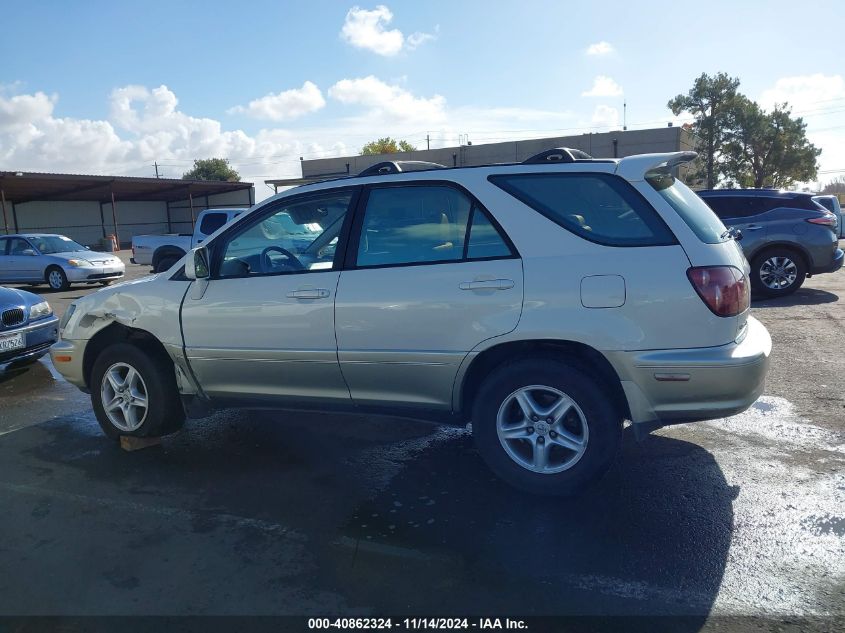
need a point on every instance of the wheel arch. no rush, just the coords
(792, 246)
(583, 356)
(119, 333)
(166, 251)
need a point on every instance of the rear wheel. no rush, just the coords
(56, 278)
(777, 272)
(165, 263)
(134, 393)
(546, 427)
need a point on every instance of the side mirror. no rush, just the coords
(196, 266)
(29, 251)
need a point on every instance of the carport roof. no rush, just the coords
(19, 187)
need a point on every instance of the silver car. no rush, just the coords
(545, 302)
(55, 260)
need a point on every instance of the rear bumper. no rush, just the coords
(836, 264)
(39, 337)
(671, 386)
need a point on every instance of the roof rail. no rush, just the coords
(557, 155)
(399, 166)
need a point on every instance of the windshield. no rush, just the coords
(694, 211)
(49, 244)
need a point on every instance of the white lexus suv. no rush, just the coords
(546, 302)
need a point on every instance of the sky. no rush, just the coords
(101, 87)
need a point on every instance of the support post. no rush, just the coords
(103, 219)
(3, 203)
(15, 218)
(191, 200)
(169, 219)
(114, 220)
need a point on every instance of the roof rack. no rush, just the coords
(399, 166)
(557, 155)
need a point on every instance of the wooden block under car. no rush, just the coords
(130, 443)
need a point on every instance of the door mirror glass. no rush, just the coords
(196, 267)
(28, 251)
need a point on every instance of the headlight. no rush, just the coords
(40, 310)
(78, 262)
(66, 316)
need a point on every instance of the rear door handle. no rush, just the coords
(487, 284)
(309, 293)
(752, 227)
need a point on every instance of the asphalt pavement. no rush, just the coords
(328, 515)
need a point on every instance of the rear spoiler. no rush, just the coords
(636, 167)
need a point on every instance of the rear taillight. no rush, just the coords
(724, 289)
(828, 219)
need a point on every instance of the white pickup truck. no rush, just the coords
(162, 251)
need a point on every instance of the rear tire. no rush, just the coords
(569, 444)
(777, 272)
(56, 278)
(165, 263)
(134, 393)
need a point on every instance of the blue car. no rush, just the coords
(27, 327)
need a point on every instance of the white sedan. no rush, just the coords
(55, 260)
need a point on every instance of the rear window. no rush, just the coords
(827, 203)
(598, 207)
(692, 209)
(211, 222)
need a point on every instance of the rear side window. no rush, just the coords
(739, 206)
(211, 222)
(598, 207)
(686, 203)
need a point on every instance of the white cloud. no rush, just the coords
(819, 99)
(603, 87)
(600, 48)
(284, 106)
(605, 116)
(368, 30)
(389, 102)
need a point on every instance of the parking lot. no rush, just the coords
(272, 513)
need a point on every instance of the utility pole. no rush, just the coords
(155, 164)
(427, 141)
(624, 115)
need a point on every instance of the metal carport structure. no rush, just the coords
(47, 189)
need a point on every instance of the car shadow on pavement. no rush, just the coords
(802, 296)
(396, 517)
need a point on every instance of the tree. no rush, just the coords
(767, 149)
(710, 101)
(387, 145)
(212, 169)
(837, 185)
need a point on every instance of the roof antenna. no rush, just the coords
(624, 115)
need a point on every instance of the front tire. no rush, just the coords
(56, 278)
(777, 272)
(134, 393)
(545, 426)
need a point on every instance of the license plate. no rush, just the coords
(9, 342)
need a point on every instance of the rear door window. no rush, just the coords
(601, 208)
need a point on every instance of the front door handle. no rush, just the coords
(487, 284)
(309, 293)
(752, 227)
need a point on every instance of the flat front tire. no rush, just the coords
(545, 426)
(134, 393)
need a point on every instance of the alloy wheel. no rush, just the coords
(778, 272)
(124, 397)
(542, 429)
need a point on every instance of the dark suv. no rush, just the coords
(786, 235)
